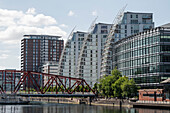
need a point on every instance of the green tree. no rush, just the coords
(105, 85)
(86, 89)
(60, 88)
(95, 88)
(129, 88)
(116, 87)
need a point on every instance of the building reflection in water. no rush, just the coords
(64, 108)
(10, 109)
(143, 110)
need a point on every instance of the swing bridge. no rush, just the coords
(34, 84)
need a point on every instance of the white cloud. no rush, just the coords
(14, 24)
(38, 20)
(71, 13)
(8, 17)
(11, 13)
(4, 51)
(31, 11)
(13, 34)
(2, 67)
(3, 56)
(94, 13)
(19, 57)
(64, 26)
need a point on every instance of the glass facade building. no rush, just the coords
(145, 57)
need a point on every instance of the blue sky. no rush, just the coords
(58, 17)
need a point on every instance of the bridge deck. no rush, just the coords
(56, 95)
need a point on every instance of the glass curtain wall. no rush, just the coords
(145, 57)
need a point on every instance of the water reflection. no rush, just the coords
(63, 108)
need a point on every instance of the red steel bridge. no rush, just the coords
(27, 83)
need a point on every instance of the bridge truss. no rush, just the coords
(14, 82)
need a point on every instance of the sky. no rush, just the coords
(59, 17)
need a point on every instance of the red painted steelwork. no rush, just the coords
(40, 83)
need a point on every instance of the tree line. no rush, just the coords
(116, 85)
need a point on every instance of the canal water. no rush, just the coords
(68, 108)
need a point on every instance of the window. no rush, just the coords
(81, 35)
(125, 31)
(134, 21)
(125, 26)
(136, 31)
(103, 31)
(103, 27)
(104, 36)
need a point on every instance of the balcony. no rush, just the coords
(147, 16)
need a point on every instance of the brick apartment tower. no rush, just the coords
(38, 49)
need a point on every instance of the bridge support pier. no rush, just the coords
(90, 100)
(28, 99)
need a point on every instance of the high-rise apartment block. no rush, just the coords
(81, 55)
(131, 23)
(69, 58)
(89, 62)
(37, 49)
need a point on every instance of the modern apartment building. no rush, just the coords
(89, 62)
(69, 58)
(37, 49)
(50, 67)
(130, 24)
(145, 56)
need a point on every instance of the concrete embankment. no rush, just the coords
(54, 100)
(112, 102)
(151, 104)
(97, 101)
(12, 99)
(102, 102)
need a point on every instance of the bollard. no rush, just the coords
(120, 103)
(90, 100)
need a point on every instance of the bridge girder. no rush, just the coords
(40, 83)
